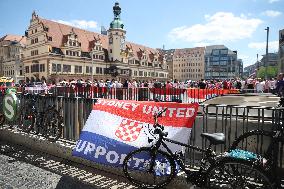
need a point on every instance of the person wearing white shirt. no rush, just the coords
(101, 83)
(260, 86)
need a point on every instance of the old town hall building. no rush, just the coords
(55, 51)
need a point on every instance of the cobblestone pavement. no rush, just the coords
(24, 168)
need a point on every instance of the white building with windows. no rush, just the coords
(11, 56)
(188, 64)
(55, 51)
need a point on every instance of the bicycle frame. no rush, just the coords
(194, 176)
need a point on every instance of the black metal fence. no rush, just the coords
(231, 120)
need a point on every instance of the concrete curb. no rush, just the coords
(63, 149)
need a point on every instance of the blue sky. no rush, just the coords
(238, 24)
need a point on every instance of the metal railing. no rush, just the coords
(139, 94)
(231, 120)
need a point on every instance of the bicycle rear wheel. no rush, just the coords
(254, 141)
(237, 174)
(148, 169)
(53, 125)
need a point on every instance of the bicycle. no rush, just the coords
(255, 138)
(150, 167)
(47, 122)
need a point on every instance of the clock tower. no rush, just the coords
(116, 36)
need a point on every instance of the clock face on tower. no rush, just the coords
(122, 43)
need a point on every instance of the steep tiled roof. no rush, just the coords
(138, 51)
(59, 31)
(11, 37)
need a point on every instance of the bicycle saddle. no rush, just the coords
(214, 138)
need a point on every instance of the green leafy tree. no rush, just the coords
(271, 72)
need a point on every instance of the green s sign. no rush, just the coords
(10, 106)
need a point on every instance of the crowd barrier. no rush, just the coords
(138, 94)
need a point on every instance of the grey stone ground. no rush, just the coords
(27, 169)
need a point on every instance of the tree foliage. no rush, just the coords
(271, 72)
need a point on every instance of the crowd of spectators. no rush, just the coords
(84, 87)
(258, 85)
(250, 84)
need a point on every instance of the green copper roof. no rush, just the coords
(116, 24)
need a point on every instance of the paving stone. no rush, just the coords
(23, 168)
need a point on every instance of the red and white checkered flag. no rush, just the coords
(129, 130)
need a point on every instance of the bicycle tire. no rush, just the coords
(242, 140)
(258, 142)
(38, 128)
(2, 118)
(237, 173)
(26, 119)
(52, 125)
(161, 161)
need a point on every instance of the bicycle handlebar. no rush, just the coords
(159, 114)
(159, 128)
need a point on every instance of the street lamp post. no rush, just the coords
(227, 62)
(231, 65)
(266, 61)
(92, 72)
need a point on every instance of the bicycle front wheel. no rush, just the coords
(2, 118)
(147, 168)
(237, 173)
(26, 119)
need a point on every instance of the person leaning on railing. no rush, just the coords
(280, 85)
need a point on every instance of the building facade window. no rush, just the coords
(42, 68)
(66, 68)
(58, 68)
(78, 69)
(34, 52)
(35, 68)
(53, 67)
(27, 69)
(99, 70)
(89, 69)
